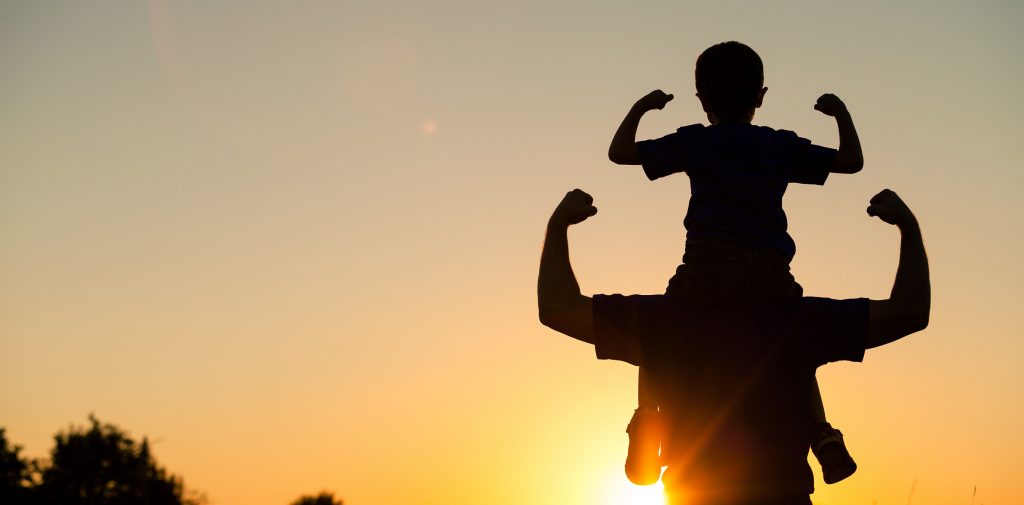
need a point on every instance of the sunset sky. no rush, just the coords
(295, 244)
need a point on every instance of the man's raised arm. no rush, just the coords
(561, 305)
(907, 309)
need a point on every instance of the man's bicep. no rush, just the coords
(887, 322)
(575, 319)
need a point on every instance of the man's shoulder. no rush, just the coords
(835, 329)
(641, 311)
(815, 305)
(679, 316)
(623, 322)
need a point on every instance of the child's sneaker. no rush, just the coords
(836, 462)
(643, 465)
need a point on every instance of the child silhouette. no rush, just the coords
(737, 246)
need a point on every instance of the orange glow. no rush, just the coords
(297, 242)
(625, 493)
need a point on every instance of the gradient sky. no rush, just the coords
(295, 243)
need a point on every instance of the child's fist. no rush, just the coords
(889, 207)
(654, 100)
(574, 208)
(830, 105)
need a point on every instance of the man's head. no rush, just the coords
(729, 78)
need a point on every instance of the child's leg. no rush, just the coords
(827, 442)
(645, 395)
(643, 465)
(817, 414)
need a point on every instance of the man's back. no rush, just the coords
(737, 406)
(735, 383)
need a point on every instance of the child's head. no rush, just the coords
(730, 77)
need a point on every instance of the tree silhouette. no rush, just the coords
(102, 465)
(15, 476)
(324, 498)
(99, 465)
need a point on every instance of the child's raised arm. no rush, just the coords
(622, 150)
(849, 159)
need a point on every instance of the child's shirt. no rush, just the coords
(738, 175)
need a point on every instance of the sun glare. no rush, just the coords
(626, 493)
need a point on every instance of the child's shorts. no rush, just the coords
(714, 271)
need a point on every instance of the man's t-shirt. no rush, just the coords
(738, 175)
(734, 384)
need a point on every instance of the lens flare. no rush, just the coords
(428, 127)
(626, 493)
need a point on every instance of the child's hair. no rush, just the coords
(729, 79)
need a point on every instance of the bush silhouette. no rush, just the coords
(101, 465)
(15, 476)
(324, 498)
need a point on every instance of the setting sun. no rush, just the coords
(626, 493)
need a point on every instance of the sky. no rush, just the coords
(295, 244)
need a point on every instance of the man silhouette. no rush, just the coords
(734, 375)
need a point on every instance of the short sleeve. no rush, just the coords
(669, 154)
(807, 163)
(617, 334)
(832, 330)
